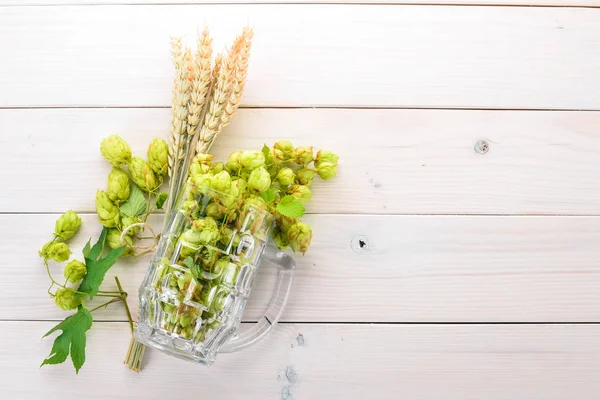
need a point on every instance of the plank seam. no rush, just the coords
(328, 107)
(299, 3)
(359, 322)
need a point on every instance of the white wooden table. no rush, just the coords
(479, 277)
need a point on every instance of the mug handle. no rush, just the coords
(285, 277)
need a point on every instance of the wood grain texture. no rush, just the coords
(411, 269)
(379, 362)
(562, 3)
(311, 55)
(392, 161)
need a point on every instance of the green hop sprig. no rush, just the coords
(74, 271)
(115, 150)
(118, 187)
(67, 225)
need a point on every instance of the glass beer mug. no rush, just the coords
(199, 280)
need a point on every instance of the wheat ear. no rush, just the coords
(201, 82)
(181, 88)
(220, 94)
(243, 44)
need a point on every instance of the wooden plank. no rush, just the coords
(563, 3)
(527, 362)
(306, 55)
(392, 161)
(410, 268)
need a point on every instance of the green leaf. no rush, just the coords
(95, 251)
(266, 151)
(96, 270)
(160, 200)
(71, 340)
(136, 203)
(97, 266)
(268, 195)
(189, 262)
(290, 206)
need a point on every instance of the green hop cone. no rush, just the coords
(208, 231)
(142, 174)
(204, 159)
(113, 240)
(286, 176)
(252, 159)
(301, 192)
(199, 169)
(259, 179)
(74, 271)
(67, 299)
(305, 176)
(234, 162)
(126, 222)
(257, 202)
(57, 251)
(67, 225)
(108, 212)
(303, 155)
(158, 156)
(324, 156)
(299, 236)
(115, 150)
(221, 182)
(285, 147)
(118, 185)
(217, 168)
(281, 239)
(238, 188)
(204, 181)
(327, 170)
(215, 211)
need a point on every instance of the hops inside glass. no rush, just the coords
(195, 291)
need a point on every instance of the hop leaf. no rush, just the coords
(136, 204)
(268, 195)
(67, 225)
(160, 200)
(290, 206)
(97, 266)
(72, 339)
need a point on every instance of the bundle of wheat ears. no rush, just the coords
(206, 95)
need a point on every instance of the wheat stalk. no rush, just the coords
(243, 44)
(201, 82)
(181, 87)
(221, 88)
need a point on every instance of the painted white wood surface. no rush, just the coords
(392, 161)
(431, 362)
(475, 270)
(311, 55)
(412, 268)
(564, 3)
